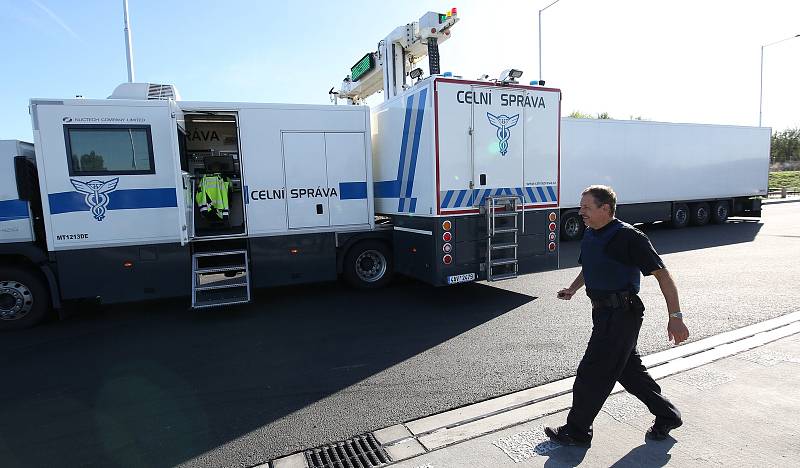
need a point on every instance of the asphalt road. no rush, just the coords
(156, 385)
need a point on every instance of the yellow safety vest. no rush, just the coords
(212, 195)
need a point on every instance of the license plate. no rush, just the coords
(461, 278)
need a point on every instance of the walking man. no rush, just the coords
(612, 255)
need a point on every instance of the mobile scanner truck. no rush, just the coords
(679, 173)
(144, 195)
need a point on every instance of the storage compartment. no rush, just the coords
(212, 159)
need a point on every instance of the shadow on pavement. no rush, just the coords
(154, 384)
(651, 453)
(667, 240)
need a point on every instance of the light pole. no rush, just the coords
(761, 86)
(540, 40)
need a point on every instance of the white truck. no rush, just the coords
(679, 173)
(447, 181)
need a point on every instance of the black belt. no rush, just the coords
(620, 300)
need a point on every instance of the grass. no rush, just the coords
(788, 179)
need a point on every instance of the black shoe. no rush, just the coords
(562, 436)
(660, 430)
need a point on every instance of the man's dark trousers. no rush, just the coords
(611, 356)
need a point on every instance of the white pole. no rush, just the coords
(128, 45)
(540, 46)
(540, 37)
(761, 85)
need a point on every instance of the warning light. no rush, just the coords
(447, 248)
(413, 250)
(442, 18)
(447, 225)
(551, 247)
(294, 250)
(454, 11)
(552, 226)
(552, 216)
(127, 264)
(447, 237)
(447, 259)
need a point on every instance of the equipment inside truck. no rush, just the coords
(210, 154)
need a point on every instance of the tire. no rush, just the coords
(572, 226)
(680, 215)
(720, 212)
(24, 298)
(368, 265)
(700, 214)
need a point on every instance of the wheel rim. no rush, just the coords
(572, 227)
(702, 214)
(722, 212)
(16, 300)
(681, 216)
(370, 266)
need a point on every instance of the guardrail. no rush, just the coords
(783, 192)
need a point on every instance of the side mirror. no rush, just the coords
(27, 178)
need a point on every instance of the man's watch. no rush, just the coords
(677, 315)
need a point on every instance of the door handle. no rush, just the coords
(483, 179)
(319, 208)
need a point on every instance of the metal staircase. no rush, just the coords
(220, 278)
(503, 235)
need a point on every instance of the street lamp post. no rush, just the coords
(540, 39)
(761, 86)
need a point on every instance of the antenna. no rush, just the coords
(128, 45)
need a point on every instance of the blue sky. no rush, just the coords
(679, 60)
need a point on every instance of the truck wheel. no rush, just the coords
(680, 215)
(701, 214)
(720, 212)
(24, 298)
(368, 265)
(572, 226)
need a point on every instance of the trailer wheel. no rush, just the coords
(24, 298)
(701, 214)
(572, 226)
(720, 212)
(368, 265)
(680, 215)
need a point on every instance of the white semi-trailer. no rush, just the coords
(679, 173)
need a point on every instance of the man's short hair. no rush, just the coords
(603, 195)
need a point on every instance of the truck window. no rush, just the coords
(109, 150)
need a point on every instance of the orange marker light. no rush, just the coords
(552, 217)
(447, 225)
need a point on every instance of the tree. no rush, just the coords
(785, 146)
(580, 115)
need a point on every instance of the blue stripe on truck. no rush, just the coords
(13, 209)
(352, 190)
(131, 199)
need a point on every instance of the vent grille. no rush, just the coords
(160, 92)
(359, 452)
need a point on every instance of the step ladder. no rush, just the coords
(503, 240)
(220, 278)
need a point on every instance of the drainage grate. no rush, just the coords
(359, 452)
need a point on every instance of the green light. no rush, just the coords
(442, 18)
(361, 67)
